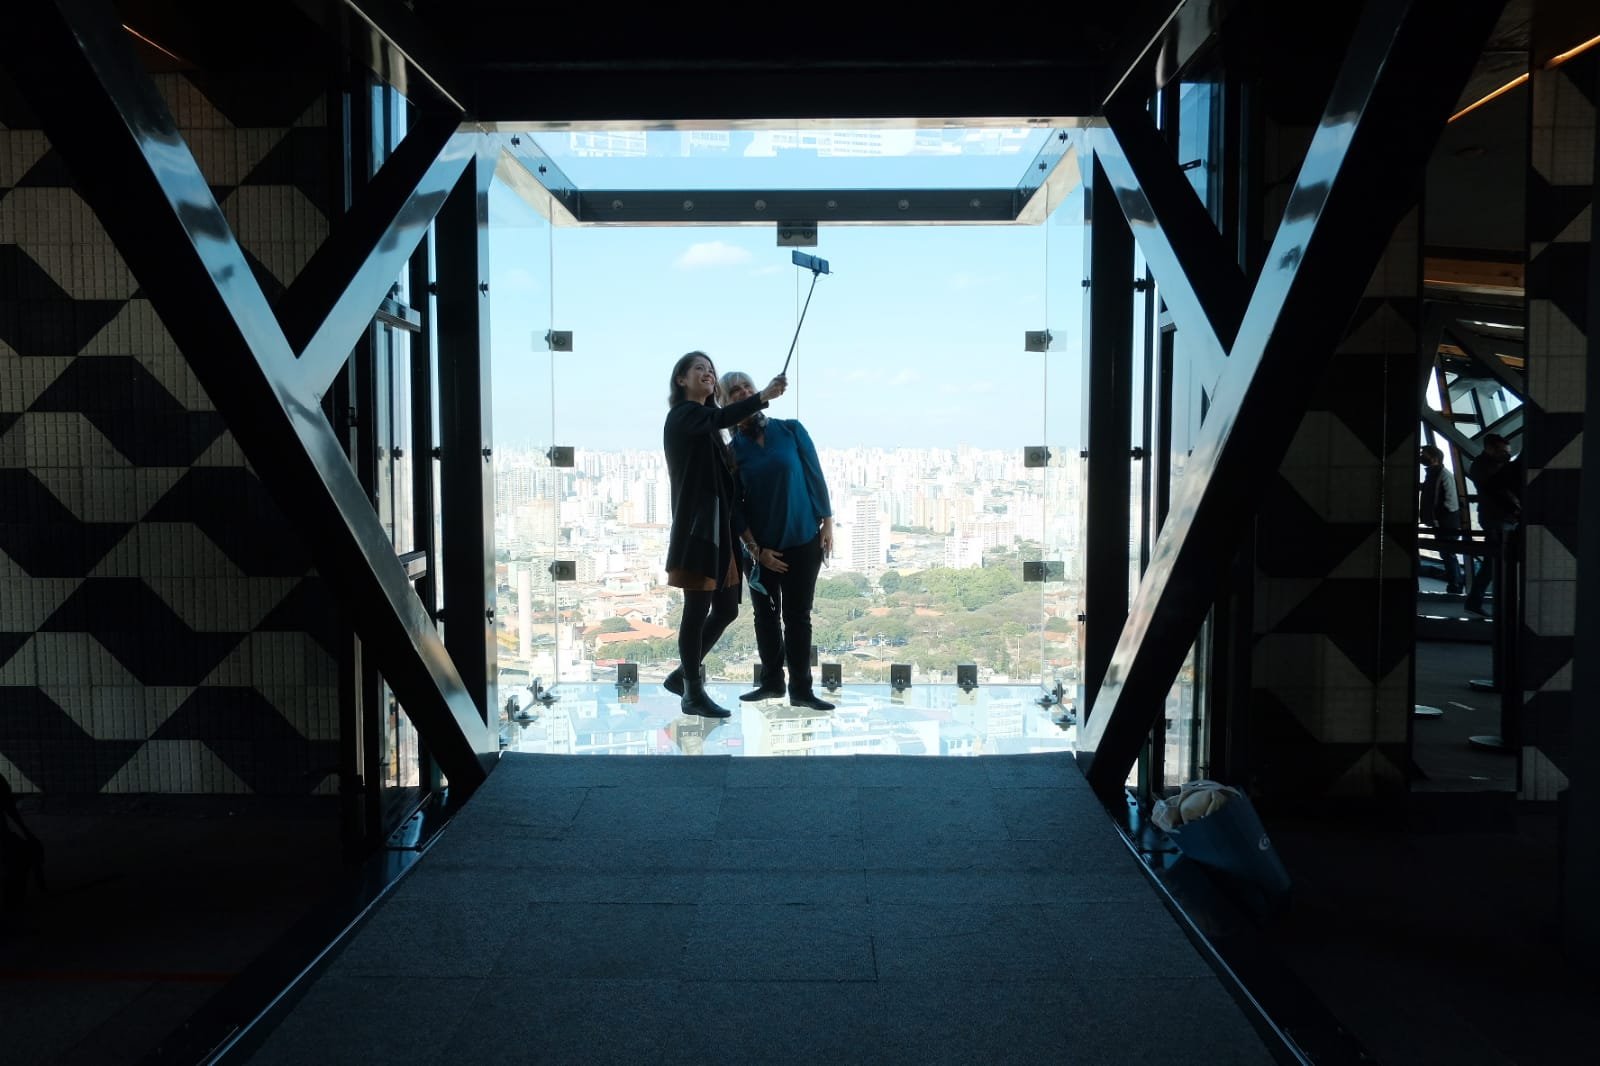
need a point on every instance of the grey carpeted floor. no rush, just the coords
(810, 910)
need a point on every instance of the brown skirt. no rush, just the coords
(686, 579)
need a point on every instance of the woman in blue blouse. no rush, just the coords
(789, 531)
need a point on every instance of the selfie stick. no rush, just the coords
(818, 267)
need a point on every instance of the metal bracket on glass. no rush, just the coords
(1037, 340)
(899, 676)
(797, 235)
(564, 570)
(1044, 570)
(393, 313)
(627, 677)
(553, 340)
(967, 676)
(560, 455)
(832, 677)
(516, 712)
(1035, 455)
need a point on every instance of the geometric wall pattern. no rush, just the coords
(161, 626)
(1334, 607)
(1561, 193)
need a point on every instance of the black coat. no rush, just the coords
(705, 501)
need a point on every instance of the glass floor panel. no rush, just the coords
(591, 718)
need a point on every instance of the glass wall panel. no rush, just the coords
(1182, 740)
(1064, 519)
(1200, 141)
(535, 634)
(1142, 349)
(399, 748)
(910, 374)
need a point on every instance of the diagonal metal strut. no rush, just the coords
(103, 113)
(1406, 65)
(1200, 282)
(329, 305)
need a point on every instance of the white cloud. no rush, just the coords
(711, 254)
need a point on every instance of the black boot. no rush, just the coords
(673, 682)
(697, 701)
(771, 688)
(809, 699)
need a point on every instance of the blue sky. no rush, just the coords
(914, 340)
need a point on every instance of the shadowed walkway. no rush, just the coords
(861, 909)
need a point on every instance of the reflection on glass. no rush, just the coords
(1200, 142)
(399, 752)
(1183, 740)
(939, 720)
(793, 158)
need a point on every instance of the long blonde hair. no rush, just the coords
(726, 384)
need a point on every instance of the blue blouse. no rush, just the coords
(786, 498)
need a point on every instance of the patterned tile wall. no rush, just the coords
(1561, 193)
(1330, 701)
(161, 628)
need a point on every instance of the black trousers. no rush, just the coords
(1448, 531)
(783, 617)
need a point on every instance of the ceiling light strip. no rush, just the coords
(1552, 63)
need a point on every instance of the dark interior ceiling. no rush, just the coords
(510, 61)
(506, 61)
(707, 64)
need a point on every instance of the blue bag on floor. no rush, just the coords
(1216, 825)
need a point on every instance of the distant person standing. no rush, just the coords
(790, 533)
(701, 557)
(1499, 481)
(1440, 509)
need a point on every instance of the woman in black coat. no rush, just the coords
(701, 559)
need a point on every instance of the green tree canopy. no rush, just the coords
(843, 587)
(967, 589)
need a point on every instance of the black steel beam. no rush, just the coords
(1108, 418)
(103, 114)
(331, 302)
(1472, 343)
(1199, 275)
(708, 207)
(466, 467)
(1401, 76)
